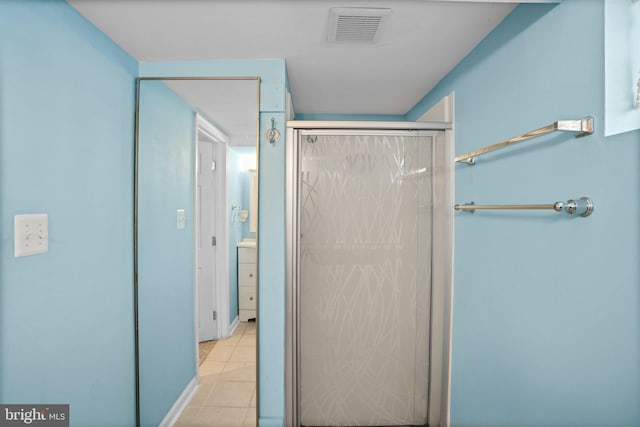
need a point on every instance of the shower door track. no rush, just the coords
(438, 405)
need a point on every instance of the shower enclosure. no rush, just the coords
(368, 285)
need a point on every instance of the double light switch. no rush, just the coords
(31, 234)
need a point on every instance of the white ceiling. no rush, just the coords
(420, 42)
(230, 105)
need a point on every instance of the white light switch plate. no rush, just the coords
(31, 233)
(180, 219)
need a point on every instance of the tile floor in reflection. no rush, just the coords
(204, 348)
(227, 393)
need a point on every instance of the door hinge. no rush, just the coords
(213, 166)
(215, 315)
(213, 240)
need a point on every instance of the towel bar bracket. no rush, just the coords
(584, 126)
(468, 161)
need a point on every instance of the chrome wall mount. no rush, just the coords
(583, 127)
(273, 134)
(582, 207)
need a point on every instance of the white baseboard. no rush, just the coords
(233, 326)
(176, 410)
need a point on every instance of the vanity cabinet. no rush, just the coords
(247, 274)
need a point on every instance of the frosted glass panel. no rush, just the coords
(365, 267)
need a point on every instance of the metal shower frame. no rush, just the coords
(442, 258)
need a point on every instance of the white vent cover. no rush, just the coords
(355, 24)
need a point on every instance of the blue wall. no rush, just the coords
(247, 156)
(271, 224)
(238, 194)
(234, 195)
(546, 321)
(166, 254)
(66, 149)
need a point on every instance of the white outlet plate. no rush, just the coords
(31, 234)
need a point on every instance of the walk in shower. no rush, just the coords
(368, 286)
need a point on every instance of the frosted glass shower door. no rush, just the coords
(365, 206)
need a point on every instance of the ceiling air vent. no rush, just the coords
(355, 24)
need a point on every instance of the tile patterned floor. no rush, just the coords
(227, 393)
(204, 348)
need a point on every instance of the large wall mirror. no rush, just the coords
(196, 250)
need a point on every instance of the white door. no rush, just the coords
(206, 235)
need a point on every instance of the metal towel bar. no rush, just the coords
(584, 127)
(583, 207)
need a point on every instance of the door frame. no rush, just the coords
(442, 260)
(221, 291)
